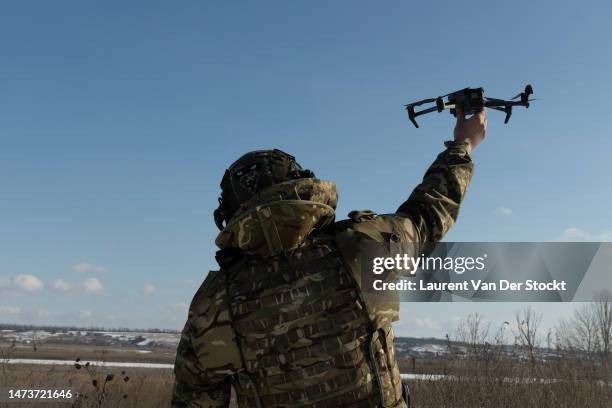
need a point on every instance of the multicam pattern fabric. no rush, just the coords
(281, 217)
(207, 353)
(285, 322)
(433, 206)
(303, 332)
(398, 235)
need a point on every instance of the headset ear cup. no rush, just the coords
(219, 218)
(298, 174)
(308, 174)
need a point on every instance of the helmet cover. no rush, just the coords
(252, 173)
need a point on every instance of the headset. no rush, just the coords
(252, 173)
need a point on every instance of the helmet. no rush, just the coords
(251, 174)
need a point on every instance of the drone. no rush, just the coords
(470, 101)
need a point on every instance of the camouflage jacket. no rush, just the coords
(285, 322)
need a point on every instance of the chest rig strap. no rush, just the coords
(248, 381)
(379, 335)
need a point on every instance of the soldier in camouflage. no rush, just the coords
(284, 321)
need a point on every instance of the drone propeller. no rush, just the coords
(525, 94)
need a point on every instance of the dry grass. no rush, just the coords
(569, 382)
(98, 387)
(93, 353)
(505, 383)
(493, 392)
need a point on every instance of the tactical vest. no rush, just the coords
(305, 337)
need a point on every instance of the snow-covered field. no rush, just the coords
(122, 340)
(25, 336)
(101, 338)
(143, 339)
(146, 340)
(83, 362)
(430, 348)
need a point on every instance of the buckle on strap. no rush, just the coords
(406, 394)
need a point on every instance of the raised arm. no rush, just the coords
(433, 206)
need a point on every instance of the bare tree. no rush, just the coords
(603, 317)
(527, 326)
(474, 331)
(580, 332)
(499, 339)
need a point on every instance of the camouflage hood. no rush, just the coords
(279, 218)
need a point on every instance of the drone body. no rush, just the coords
(470, 101)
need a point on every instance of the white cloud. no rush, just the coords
(85, 267)
(29, 283)
(43, 313)
(21, 282)
(426, 323)
(148, 289)
(9, 310)
(61, 284)
(93, 285)
(573, 234)
(505, 211)
(85, 314)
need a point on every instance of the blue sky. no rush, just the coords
(118, 119)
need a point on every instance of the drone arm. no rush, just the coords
(418, 103)
(428, 110)
(412, 113)
(490, 103)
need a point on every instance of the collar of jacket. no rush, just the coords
(281, 217)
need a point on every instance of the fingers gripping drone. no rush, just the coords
(470, 101)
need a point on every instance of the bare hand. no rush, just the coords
(472, 130)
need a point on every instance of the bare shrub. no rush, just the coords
(526, 335)
(6, 353)
(474, 332)
(579, 334)
(603, 318)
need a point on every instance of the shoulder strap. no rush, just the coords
(358, 238)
